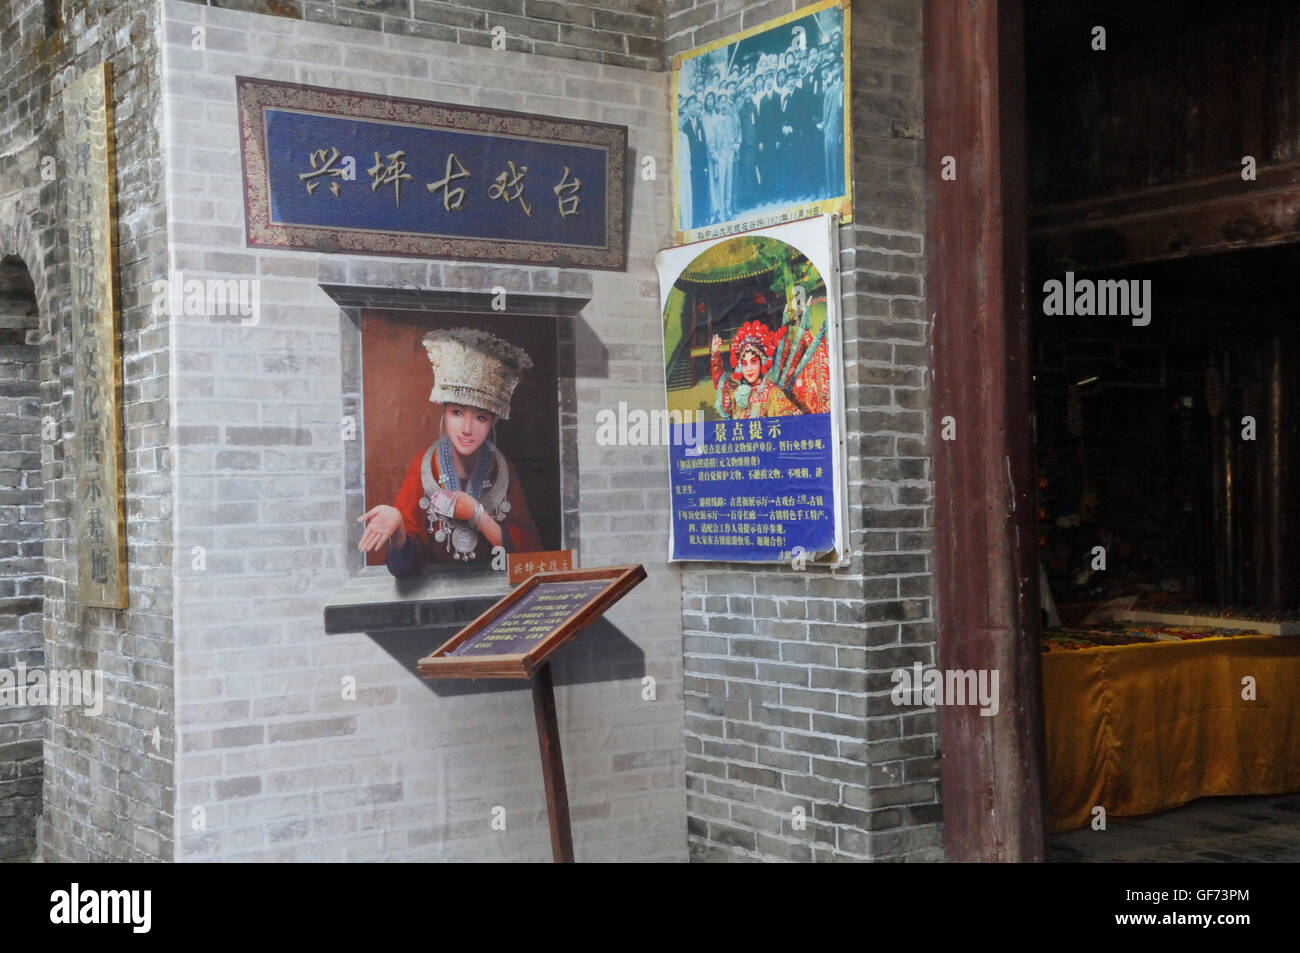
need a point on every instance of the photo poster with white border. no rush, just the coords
(757, 446)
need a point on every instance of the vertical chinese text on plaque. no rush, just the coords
(88, 177)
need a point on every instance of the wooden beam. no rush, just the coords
(1200, 217)
(986, 559)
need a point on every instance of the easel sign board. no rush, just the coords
(517, 635)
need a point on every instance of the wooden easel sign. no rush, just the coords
(515, 639)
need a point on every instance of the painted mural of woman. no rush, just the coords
(461, 497)
(746, 392)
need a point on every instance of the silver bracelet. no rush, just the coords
(478, 514)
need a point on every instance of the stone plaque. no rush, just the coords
(88, 175)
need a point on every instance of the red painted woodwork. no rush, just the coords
(986, 568)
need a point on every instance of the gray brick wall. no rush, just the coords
(794, 749)
(892, 397)
(786, 675)
(283, 768)
(617, 32)
(22, 582)
(692, 23)
(108, 790)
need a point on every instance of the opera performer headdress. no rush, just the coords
(755, 336)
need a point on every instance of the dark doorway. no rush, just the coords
(1174, 443)
(22, 561)
(1164, 160)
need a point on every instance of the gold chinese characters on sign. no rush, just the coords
(88, 177)
(507, 187)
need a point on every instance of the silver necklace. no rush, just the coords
(460, 537)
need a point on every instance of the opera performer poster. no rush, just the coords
(752, 346)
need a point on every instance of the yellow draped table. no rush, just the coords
(1143, 728)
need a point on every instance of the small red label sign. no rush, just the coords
(519, 566)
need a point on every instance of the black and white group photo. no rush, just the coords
(760, 122)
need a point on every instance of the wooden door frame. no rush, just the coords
(986, 567)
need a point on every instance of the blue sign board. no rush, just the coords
(338, 171)
(757, 490)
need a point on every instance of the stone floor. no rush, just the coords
(1211, 830)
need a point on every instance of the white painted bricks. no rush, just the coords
(281, 766)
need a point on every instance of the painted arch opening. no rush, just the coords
(22, 562)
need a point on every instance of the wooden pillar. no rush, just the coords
(985, 521)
